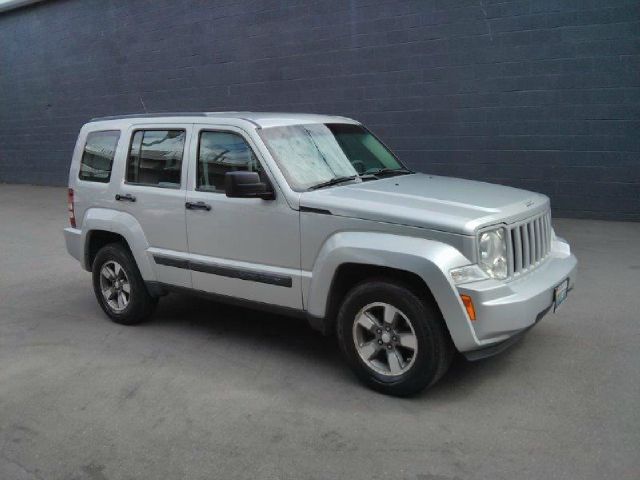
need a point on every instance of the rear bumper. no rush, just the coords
(506, 310)
(73, 239)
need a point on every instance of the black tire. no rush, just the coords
(435, 349)
(141, 304)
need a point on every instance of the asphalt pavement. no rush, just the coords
(207, 391)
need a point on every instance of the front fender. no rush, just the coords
(123, 224)
(430, 260)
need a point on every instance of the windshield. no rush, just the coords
(314, 154)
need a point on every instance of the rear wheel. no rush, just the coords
(119, 287)
(394, 340)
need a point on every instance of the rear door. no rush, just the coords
(153, 190)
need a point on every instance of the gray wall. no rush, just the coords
(543, 94)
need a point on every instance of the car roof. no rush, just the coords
(257, 119)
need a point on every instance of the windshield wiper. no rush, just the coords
(333, 181)
(384, 171)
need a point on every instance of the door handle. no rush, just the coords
(127, 197)
(197, 206)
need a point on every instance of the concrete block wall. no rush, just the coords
(539, 94)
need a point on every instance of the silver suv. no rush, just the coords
(313, 216)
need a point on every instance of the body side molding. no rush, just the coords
(225, 271)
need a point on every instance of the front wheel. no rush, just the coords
(394, 340)
(119, 287)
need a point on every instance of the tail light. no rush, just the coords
(72, 213)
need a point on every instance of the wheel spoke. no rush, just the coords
(118, 270)
(367, 321)
(108, 273)
(126, 288)
(390, 314)
(408, 340)
(109, 293)
(395, 363)
(121, 300)
(369, 349)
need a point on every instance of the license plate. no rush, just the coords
(560, 294)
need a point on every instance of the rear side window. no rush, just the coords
(98, 154)
(155, 158)
(219, 153)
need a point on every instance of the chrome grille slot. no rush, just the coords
(524, 236)
(517, 248)
(529, 243)
(532, 243)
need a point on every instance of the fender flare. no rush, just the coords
(125, 225)
(429, 259)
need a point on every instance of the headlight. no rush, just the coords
(493, 253)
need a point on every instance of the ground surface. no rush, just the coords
(207, 391)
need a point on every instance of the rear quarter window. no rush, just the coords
(97, 157)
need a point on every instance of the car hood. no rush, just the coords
(428, 201)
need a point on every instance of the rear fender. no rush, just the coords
(124, 225)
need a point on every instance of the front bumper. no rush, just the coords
(505, 310)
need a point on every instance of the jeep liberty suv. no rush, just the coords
(313, 216)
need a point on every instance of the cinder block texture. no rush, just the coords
(540, 94)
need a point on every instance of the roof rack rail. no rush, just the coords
(150, 115)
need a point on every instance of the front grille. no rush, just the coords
(529, 243)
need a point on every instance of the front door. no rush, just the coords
(153, 191)
(246, 248)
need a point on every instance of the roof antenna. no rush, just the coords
(143, 105)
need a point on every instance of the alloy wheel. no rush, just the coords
(115, 286)
(385, 339)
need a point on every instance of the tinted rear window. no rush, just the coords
(98, 154)
(155, 158)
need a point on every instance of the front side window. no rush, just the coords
(155, 158)
(311, 155)
(98, 154)
(219, 153)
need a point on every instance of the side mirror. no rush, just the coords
(241, 184)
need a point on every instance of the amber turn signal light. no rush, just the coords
(468, 304)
